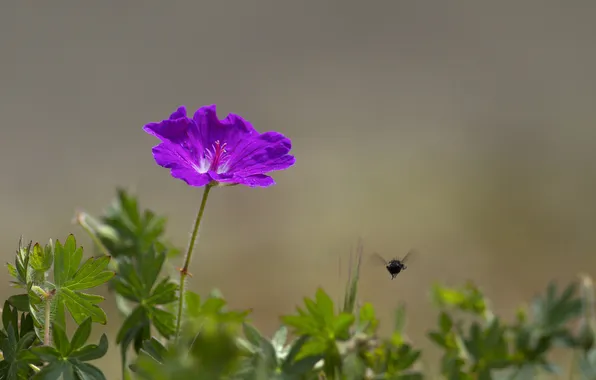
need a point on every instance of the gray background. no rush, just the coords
(462, 128)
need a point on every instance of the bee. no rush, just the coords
(394, 266)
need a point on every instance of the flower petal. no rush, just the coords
(230, 130)
(174, 130)
(191, 177)
(261, 154)
(179, 113)
(172, 157)
(259, 180)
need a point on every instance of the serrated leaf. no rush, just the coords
(163, 293)
(137, 283)
(12, 270)
(125, 231)
(91, 274)
(70, 278)
(41, 258)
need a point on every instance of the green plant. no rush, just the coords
(321, 339)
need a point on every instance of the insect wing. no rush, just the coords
(378, 259)
(409, 256)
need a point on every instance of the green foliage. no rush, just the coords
(16, 340)
(43, 313)
(137, 284)
(321, 340)
(322, 327)
(69, 358)
(143, 295)
(65, 293)
(492, 348)
(125, 231)
(210, 337)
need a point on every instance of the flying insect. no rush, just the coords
(394, 266)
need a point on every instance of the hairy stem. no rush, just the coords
(46, 330)
(184, 270)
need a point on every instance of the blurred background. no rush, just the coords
(463, 129)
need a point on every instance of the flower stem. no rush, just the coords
(184, 270)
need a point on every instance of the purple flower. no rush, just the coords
(205, 150)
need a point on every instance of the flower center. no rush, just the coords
(217, 157)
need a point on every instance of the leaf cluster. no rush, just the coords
(477, 344)
(55, 278)
(320, 340)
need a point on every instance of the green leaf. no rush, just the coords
(46, 353)
(20, 302)
(291, 366)
(136, 328)
(268, 353)
(155, 349)
(164, 293)
(163, 321)
(60, 340)
(125, 230)
(41, 258)
(54, 370)
(20, 270)
(252, 334)
(68, 361)
(279, 338)
(313, 347)
(342, 324)
(15, 348)
(137, 283)
(324, 306)
(70, 278)
(354, 366)
(81, 334)
(552, 311)
(193, 302)
(87, 371)
(445, 322)
(438, 338)
(9, 316)
(92, 351)
(468, 298)
(67, 260)
(367, 322)
(351, 290)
